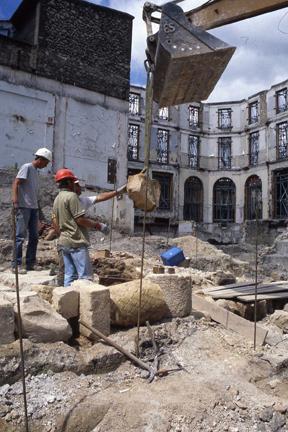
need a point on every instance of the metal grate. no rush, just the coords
(281, 194)
(224, 201)
(193, 151)
(282, 140)
(163, 146)
(281, 100)
(253, 148)
(165, 181)
(193, 199)
(253, 112)
(225, 118)
(253, 198)
(133, 142)
(193, 116)
(134, 103)
(224, 153)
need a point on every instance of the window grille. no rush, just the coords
(133, 142)
(193, 199)
(253, 112)
(253, 198)
(193, 117)
(281, 194)
(163, 146)
(224, 201)
(134, 103)
(281, 100)
(193, 151)
(224, 153)
(165, 181)
(225, 118)
(253, 148)
(282, 140)
(163, 113)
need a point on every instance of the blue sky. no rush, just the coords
(260, 59)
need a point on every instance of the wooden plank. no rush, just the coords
(247, 291)
(225, 287)
(229, 320)
(221, 12)
(268, 296)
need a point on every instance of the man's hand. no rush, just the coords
(104, 228)
(121, 190)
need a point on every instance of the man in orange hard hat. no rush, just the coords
(25, 202)
(72, 226)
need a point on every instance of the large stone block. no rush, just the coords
(66, 302)
(177, 291)
(7, 325)
(94, 307)
(40, 321)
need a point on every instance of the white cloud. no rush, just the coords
(260, 60)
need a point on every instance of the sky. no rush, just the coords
(260, 59)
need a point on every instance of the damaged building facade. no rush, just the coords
(218, 163)
(64, 85)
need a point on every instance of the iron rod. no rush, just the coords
(19, 321)
(256, 277)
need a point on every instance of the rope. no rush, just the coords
(19, 322)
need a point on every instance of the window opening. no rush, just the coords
(281, 100)
(194, 117)
(224, 153)
(193, 199)
(253, 198)
(253, 148)
(281, 194)
(224, 201)
(162, 146)
(163, 113)
(253, 112)
(134, 103)
(133, 142)
(225, 118)
(282, 140)
(165, 181)
(193, 151)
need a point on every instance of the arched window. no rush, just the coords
(253, 198)
(224, 200)
(193, 199)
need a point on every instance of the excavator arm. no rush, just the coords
(216, 13)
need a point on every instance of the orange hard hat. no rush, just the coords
(64, 173)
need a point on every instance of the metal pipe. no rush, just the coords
(19, 321)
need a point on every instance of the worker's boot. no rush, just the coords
(21, 270)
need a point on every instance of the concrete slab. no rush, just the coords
(66, 302)
(25, 281)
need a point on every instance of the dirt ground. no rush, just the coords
(216, 381)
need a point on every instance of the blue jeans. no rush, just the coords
(77, 264)
(26, 220)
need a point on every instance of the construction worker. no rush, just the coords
(86, 202)
(72, 226)
(25, 202)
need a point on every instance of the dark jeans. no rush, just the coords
(26, 220)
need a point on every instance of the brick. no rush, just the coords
(66, 302)
(7, 323)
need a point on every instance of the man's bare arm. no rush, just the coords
(88, 223)
(15, 186)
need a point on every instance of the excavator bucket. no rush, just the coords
(187, 61)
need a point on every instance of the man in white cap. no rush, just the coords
(25, 201)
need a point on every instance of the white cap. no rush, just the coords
(44, 153)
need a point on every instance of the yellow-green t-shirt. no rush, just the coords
(66, 209)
